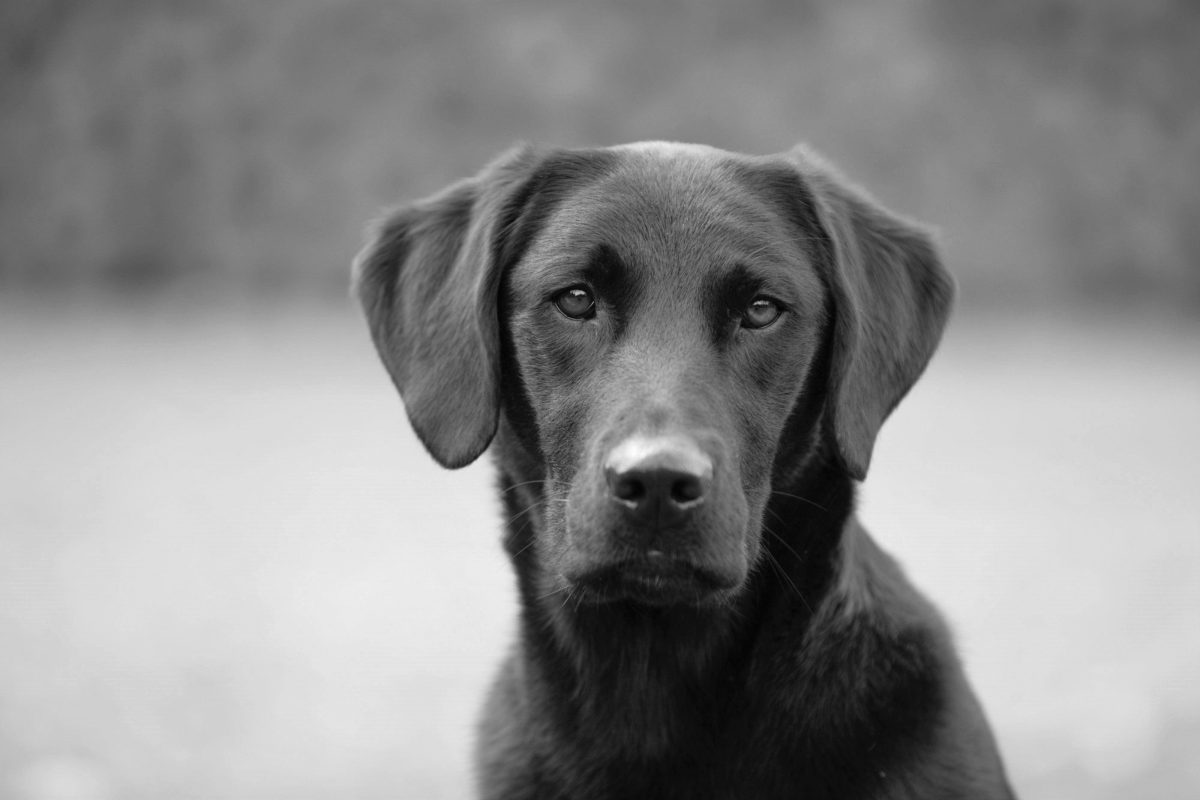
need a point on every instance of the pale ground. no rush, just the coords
(228, 571)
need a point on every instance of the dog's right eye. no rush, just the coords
(576, 303)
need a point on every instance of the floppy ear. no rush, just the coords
(891, 300)
(428, 281)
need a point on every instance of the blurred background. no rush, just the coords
(227, 570)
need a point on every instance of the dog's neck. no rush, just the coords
(640, 678)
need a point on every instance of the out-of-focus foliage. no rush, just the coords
(1056, 144)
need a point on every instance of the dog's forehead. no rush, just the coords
(670, 175)
(670, 203)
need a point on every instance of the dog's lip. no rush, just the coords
(654, 580)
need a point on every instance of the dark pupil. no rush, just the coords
(575, 302)
(761, 313)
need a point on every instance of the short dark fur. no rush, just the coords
(759, 645)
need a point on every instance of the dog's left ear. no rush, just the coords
(428, 281)
(891, 300)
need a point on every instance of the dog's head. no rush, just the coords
(645, 320)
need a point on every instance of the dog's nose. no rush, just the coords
(658, 480)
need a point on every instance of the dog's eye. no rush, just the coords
(760, 313)
(576, 303)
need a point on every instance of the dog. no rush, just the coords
(680, 358)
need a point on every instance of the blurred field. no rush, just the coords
(228, 571)
(166, 142)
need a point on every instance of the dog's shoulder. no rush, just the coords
(878, 684)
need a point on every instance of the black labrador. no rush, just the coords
(681, 358)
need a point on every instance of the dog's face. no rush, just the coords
(646, 318)
(662, 320)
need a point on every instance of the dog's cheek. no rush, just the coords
(728, 536)
(557, 362)
(757, 527)
(582, 533)
(769, 379)
(558, 366)
(760, 424)
(553, 548)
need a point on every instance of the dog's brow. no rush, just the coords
(605, 265)
(599, 265)
(739, 282)
(610, 274)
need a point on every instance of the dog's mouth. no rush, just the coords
(654, 581)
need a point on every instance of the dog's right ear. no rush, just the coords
(428, 281)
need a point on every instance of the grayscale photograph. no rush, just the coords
(432, 399)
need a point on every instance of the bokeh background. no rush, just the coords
(227, 570)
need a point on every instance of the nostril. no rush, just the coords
(687, 489)
(628, 488)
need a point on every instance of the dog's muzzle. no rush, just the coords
(655, 524)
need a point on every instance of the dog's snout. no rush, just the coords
(658, 480)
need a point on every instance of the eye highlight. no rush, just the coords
(576, 303)
(761, 312)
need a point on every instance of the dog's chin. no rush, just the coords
(659, 583)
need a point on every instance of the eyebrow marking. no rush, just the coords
(611, 276)
(740, 283)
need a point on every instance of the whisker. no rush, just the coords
(782, 540)
(522, 512)
(801, 499)
(529, 522)
(552, 592)
(519, 485)
(781, 572)
(527, 545)
(567, 599)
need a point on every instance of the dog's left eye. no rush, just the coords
(761, 312)
(576, 303)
